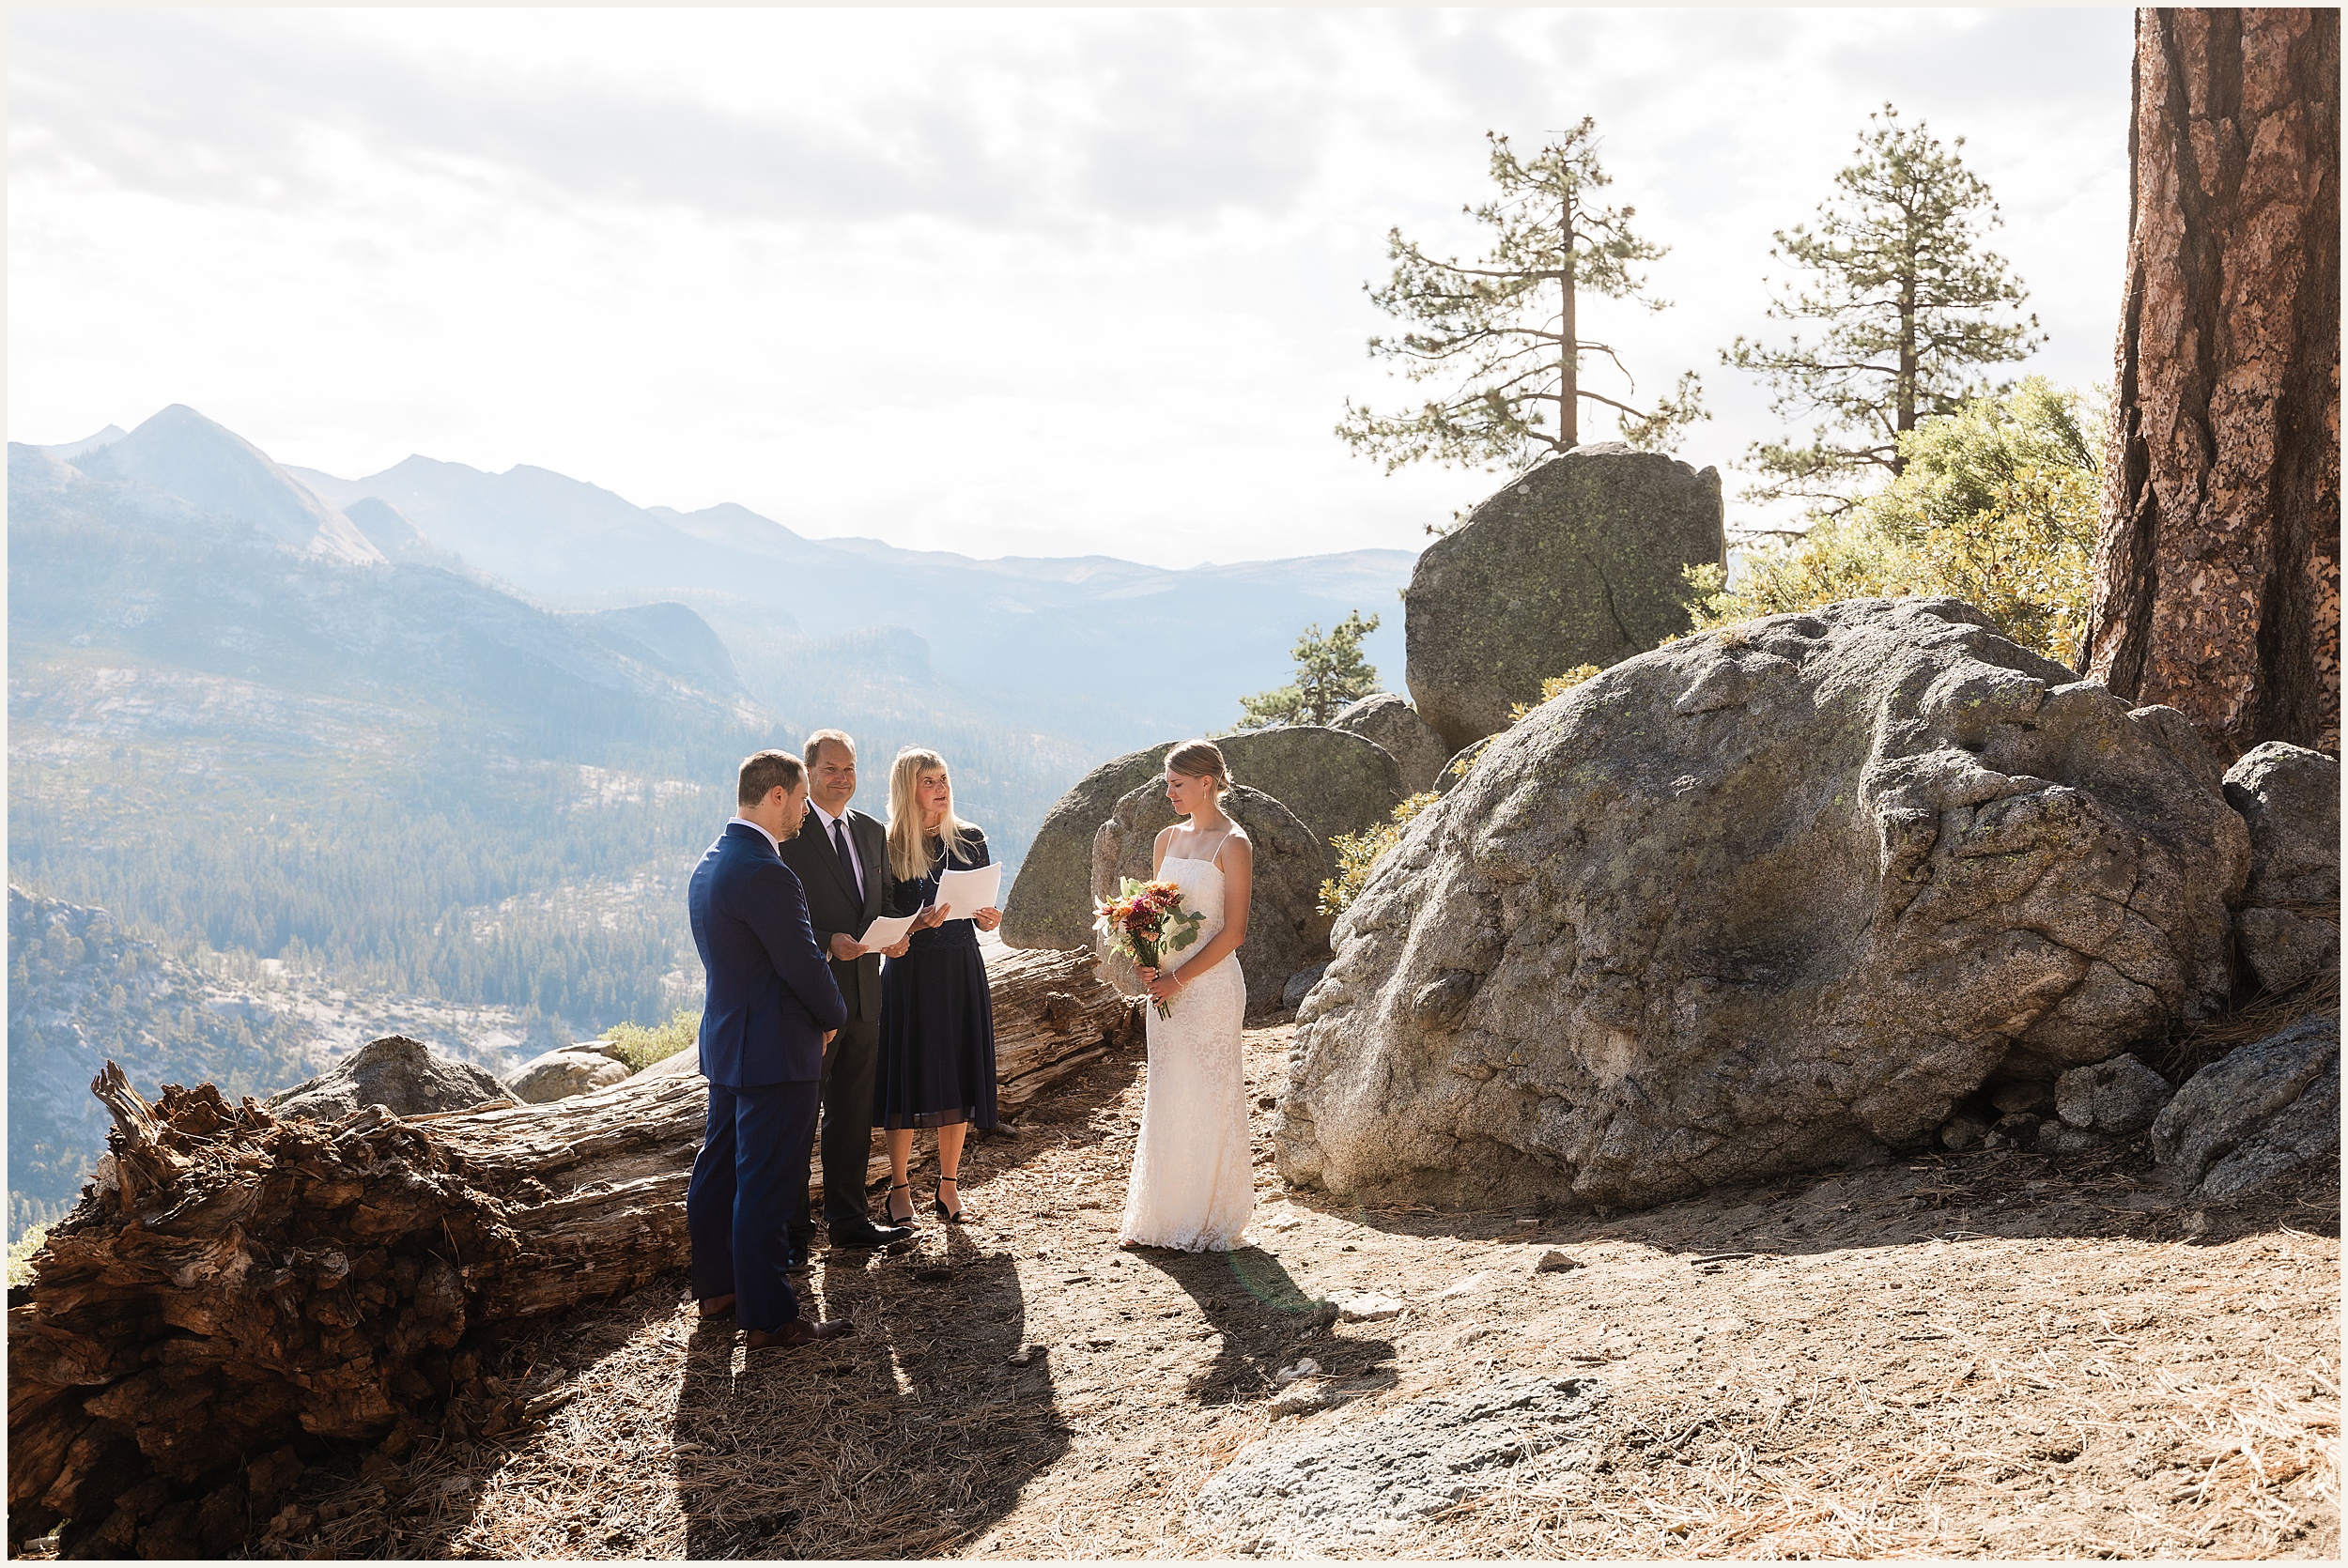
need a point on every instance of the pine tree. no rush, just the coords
(1908, 305)
(1508, 324)
(1330, 673)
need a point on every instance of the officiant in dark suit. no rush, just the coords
(842, 859)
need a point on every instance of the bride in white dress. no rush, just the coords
(1194, 1181)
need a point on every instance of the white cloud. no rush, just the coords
(1036, 282)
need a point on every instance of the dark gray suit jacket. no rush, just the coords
(834, 905)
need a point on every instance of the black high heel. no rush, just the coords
(888, 1204)
(952, 1216)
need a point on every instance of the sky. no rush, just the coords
(1043, 283)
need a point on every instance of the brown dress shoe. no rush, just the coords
(717, 1306)
(799, 1332)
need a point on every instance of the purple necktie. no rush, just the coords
(847, 861)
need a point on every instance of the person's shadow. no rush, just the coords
(1267, 1322)
(915, 1433)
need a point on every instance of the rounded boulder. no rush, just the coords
(1577, 560)
(1332, 781)
(1766, 899)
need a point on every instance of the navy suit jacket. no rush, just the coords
(771, 995)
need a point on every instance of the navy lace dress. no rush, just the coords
(936, 1064)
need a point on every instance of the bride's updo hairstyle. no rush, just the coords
(1201, 760)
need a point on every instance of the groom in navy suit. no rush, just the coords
(772, 1008)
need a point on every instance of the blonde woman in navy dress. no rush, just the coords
(936, 1067)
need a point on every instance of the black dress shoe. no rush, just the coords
(866, 1234)
(796, 1260)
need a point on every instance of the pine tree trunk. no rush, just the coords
(2217, 572)
(1570, 352)
(235, 1282)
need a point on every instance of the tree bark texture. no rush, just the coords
(2217, 571)
(233, 1283)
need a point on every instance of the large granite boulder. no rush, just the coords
(1769, 898)
(400, 1074)
(1286, 929)
(1579, 561)
(1333, 781)
(2288, 927)
(1391, 721)
(1051, 899)
(564, 1071)
(2257, 1114)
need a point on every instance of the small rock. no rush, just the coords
(562, 1073)
(1467, 1287)
(2014, 1132)
(2118, 1097)
(1554, 1261)
(1367, 1477)
(402, 1074)
(1366, 1307)
(1306, 1368)
(1292, 994)
(2062, 1138)
(1299, 1399)
(1963, 1131)
(2255, 1114)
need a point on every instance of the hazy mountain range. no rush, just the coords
(455, 737)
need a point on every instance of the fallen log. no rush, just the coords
(233, 1283)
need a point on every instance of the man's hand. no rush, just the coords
(845, 948)
(828, 1034)
(898, 948)
(988, 918)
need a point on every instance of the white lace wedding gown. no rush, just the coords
(1194, 1181)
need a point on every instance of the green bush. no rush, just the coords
(1358, 852)
(1996, 506)
(639, 1046)
(21, 1253)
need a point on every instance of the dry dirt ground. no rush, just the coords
(1978, 1355)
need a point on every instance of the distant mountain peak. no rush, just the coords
(70, 450)
(211, 467)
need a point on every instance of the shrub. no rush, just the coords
(640, 1046)
(1996, 506)
(1552, 688)
(1357, 852)
(20, 1254)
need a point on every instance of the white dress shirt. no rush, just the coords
(762, 832)
(849, 834)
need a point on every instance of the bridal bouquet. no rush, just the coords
(1144, 922)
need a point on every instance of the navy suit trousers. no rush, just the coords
(750, 1181)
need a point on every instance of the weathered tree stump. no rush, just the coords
(233, 1283)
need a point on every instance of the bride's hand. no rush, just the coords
(1162, 984)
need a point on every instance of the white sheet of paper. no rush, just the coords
(963, 894)
(884, 932)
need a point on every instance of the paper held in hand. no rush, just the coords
(886, 931)
(963, 894)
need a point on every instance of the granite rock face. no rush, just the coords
(2256, 1113)
(1391, 721)
(2288, 928)
(2113, 1097)
(1051, 899)
(1286, 929)
(1363, 1479)
(396, 1073)
(562, 1073)
(1576, 561)
(1333, 782)
(1774, 897)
